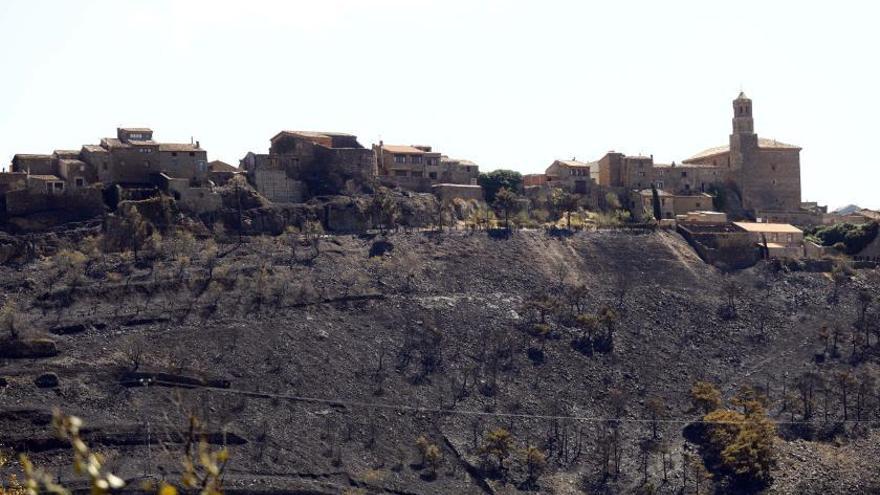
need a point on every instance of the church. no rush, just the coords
(765, 174)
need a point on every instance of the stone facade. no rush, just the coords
(277, 187)
(10, 181)
(571, 175)
(672, 205)
(326, 162)
(767, 172)
(133, 157)
(418, 168)
(198, 199)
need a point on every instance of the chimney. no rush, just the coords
(198, 145)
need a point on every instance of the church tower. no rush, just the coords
(743, 140)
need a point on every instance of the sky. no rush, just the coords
(507, 84)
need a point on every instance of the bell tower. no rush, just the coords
(743, 140)
(742, 115)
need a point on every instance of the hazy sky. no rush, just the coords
(504, 83)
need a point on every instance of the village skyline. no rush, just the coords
(497, 83)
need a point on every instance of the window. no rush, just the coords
(416, 159)
(400, 173)
(48, 187)
(59, 186)
(80, 182)
(432, 175)
(399, 158)
(104, 166)
(147, 163)
(659, 184)
(684, 174)
(192, 153)
(416, 173)
(432, 161)
(173, 153)
(467, 169)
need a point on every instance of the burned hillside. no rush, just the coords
(438, 362)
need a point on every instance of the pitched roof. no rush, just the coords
(221, 166)
(763, 143)
(66, 153)
(574, 163)
(135, 129)
(769, 228)
(396, 148)
(44, 177)
(94, 148)
(31, 156)
(178, 147)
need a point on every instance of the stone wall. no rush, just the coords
(184, 163)
(448, 192)
(721, 245)
(196, 200)
(772, 180)
(277, 187)
(12, 180)
(417, 184)
(86, 202)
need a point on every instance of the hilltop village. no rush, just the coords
(734, 203)
(328, 317)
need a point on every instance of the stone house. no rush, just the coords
(418, 168)
(221, 172)
(571, 175)
(672, 205)
(133, 157)
(324, 162)
(33, 164)
(782, 240)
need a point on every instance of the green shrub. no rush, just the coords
(853, 238)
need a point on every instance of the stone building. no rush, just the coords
(418, 167)
(765, 172)
(130, 160)
(672, 205)
(303, 164)
(571, 175)
(133, 157)
(221, 172)
(768, 172)
(781, 240)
